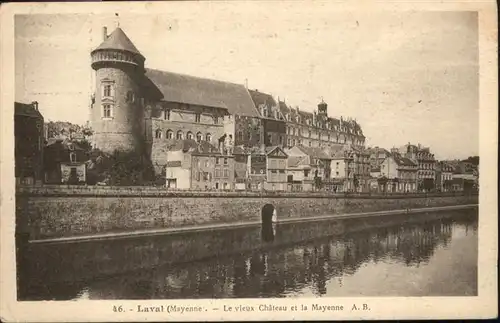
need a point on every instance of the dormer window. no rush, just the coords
(72, 157)
(166, 114)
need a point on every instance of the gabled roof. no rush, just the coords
(27, 110)
(295, 161)
(271, 149)
(314, 152)
(118, 40)
(204, 92)
(403, 161)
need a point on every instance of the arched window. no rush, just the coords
(208, 137)
(189, 135)
(158, 134)
(179, 135)
(199, 137)
(170, 134)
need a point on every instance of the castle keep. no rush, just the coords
(146, 110)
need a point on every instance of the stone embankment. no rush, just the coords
(50, 212)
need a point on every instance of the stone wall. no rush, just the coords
(60, 212)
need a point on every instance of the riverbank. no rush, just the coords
(68, 212)
(229, 226)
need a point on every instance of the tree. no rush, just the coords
(119, 168)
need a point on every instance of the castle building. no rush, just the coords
(139, 109)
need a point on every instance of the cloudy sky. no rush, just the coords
(404, 76)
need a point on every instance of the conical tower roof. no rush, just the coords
(118, 40)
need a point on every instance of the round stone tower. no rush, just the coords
(117, 114)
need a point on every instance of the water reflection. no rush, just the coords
(320, 267)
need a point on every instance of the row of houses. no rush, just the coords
(202, 166)
(414, 168)
(191, 164)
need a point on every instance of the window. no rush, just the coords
(207, 163)
(179, 135)
(107, 90)
(217, 160)
(225, 186)
(166, 114)
(216, 185)
(208, 137)
(189, 135)
(226, 172)
(72, 157)
(216, 120)
(198, 176)
(197, 117)
(269, 139)
(130, 96)
(170, 134)
(217, 172)
(240, 136)
(281, 140)
(106, 111)
(199, 137)
(225, 161)
(158, 134)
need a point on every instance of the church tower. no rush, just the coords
(117, 115)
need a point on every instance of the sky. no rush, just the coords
(407, 76)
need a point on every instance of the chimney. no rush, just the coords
(35, 105)
(104, 33)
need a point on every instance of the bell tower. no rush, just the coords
(117, 112)
(322, 108)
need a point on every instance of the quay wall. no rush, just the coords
(64, 211)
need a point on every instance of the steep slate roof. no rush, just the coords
(403, 161)
(201, 91)
(262, 98)
(294, 161)
(314, 152)
(118, 40)
(24, 109)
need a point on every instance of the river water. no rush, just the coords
(431, 258)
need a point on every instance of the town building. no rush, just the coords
(29, 143)
(273, 123)
(377, 156)
(310, 166)
(401, 174)
(426, 164)
(192, 165)
(145, 110)
(341, 169)
(65, 162)
(444, 176)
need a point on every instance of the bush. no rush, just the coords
(120, 168)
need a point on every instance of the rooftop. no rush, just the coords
(118, 40)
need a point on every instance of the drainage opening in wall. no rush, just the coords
(268, 216)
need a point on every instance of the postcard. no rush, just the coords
(248, 160)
